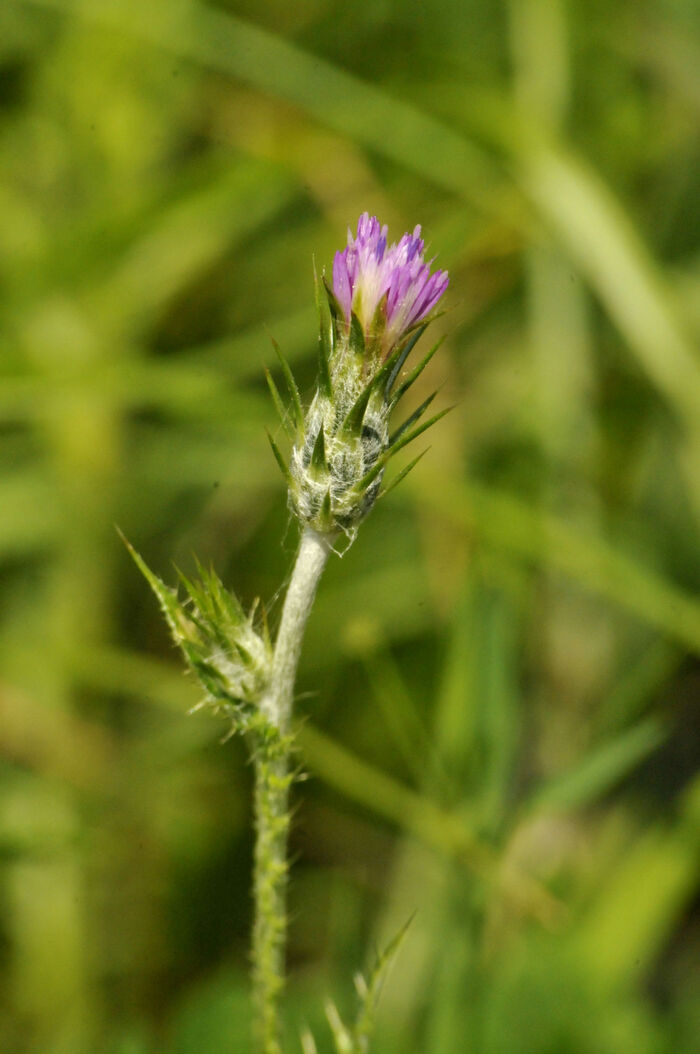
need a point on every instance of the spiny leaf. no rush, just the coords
(298, 413)
(193, 589)
(226, 601)
(352, 425)
(327, 338)
(325, 512)
(357, 336)
(318, 454)
(385, 376)
(333, 304)
(324, 373)
(372, 473)
(205, 628)
(199, 614)
(208, 676)
(415, 416)
(402, 474)
(415, 373)
(244, 654)
(369, 991)
(406, 439)
(326, 334)
(279, 459)
(167, 597)
(279, 405)
(401, 355)
(381, 461)
(216, 603)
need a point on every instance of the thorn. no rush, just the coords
(318, 454)
(279, 459)
(402, 475)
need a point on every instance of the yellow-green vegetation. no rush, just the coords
(498, 692)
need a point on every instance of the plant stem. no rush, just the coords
(271, 802)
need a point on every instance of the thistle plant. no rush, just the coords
(381, 300)
(378, 307)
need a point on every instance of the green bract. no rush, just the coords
(342, 444)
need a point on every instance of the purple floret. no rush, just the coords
(366, 272)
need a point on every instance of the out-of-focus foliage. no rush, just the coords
(503, 668)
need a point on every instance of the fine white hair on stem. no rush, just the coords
(314, 550)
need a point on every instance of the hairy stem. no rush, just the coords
(271, 803)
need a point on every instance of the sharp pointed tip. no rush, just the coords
(123, 537)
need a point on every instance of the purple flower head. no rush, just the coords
(369, 276)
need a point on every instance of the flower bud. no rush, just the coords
(380, 303)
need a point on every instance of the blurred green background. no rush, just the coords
(500, 686)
